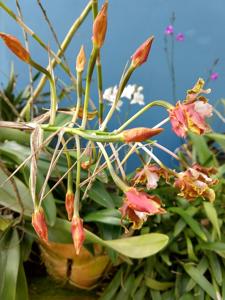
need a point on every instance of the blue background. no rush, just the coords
(130, 22)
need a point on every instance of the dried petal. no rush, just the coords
(139, 202)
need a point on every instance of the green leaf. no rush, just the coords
(215, 246)
(107, 216)
(201, 280)
(139, 246)
(100, 195)
(205, 156)
(11, 253)
(158, 285)
(194, 225)
(134, 247)
(113, 286)
(21, 289)
(211, 213)
(4, 223)
(215, 266)
(8, 197)
(125, 291)
(217, 137)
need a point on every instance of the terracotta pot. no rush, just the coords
(83, 271)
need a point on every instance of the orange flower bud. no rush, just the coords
(78, 234)
(140, 134)
(16, 47)
(100, 26)
(39, 224)
(69, 203)
(141, 54)
(81, 60)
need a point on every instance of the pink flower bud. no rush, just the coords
(81, 60)
(69, 203)
(141, 54)
(140, 134)
(16, 47)
(39, 224)
(78, 234)
(100, 27)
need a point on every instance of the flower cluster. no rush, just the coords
(170, 31)
(191, 114)
(131, 92)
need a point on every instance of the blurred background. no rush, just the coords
(130, 22)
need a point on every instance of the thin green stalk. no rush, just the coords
(61, 51)
(100, 91)
(90, 70)
(99, 69)
(77, 193)
(79, 97)
(69, 165)
(113, 174)
(91, 136)
(141, 111)
(53, 97)
(122, 85)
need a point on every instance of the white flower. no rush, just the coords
(128, 91)
(138, 98)
(110, 95)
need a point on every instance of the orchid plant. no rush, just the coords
(139, 201)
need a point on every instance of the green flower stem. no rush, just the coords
(88, 135)
(141, 111)
(53, 108)
(69, 165)
(122, 185)
(79, 97)
(77, 193)
(99, 69)
(90, 70)
(61, 51)
(122, 85)
(100, 91)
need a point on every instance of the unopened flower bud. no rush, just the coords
(69, 203)
(141, 54)
(16, 47)
(81, 60)
(39, 224)
(140, 134)
(78, 234)
(100, 27)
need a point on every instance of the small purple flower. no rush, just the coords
(214, 76)
(180, 37)
(169, 30)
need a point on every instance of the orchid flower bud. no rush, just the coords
(78, 234)
(69, 203)
(81, 60)
(141, 54)
(100, 26)
(16, 47)
(39, 224)
(140, 134)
